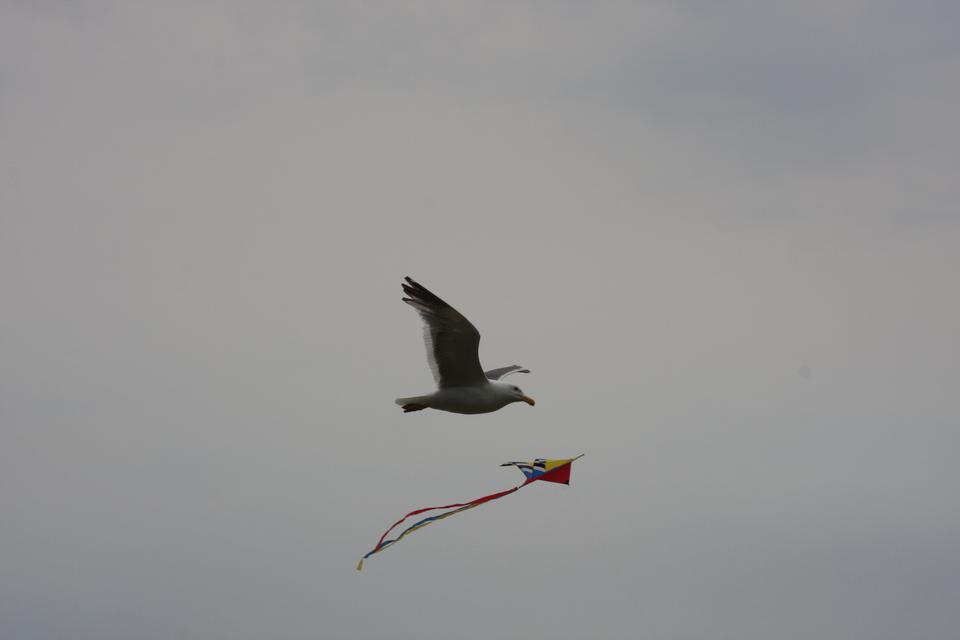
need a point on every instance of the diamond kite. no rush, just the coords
(557, 470)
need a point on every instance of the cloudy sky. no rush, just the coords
(724, 236)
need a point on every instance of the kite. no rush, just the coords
(540, 469)
(452, 341)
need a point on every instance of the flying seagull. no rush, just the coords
(452, 341)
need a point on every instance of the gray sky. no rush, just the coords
(723, 236)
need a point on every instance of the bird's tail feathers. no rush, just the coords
(413, 403)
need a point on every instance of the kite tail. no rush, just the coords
(383, 543)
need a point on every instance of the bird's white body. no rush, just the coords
(474, 399)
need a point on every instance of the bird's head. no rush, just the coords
(514, 393)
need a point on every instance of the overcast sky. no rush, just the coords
(724, 237)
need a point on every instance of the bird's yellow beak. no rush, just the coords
(530, 401)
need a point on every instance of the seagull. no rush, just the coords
(452, 342)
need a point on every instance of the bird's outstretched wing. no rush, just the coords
(503, 372)
(451, 340)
